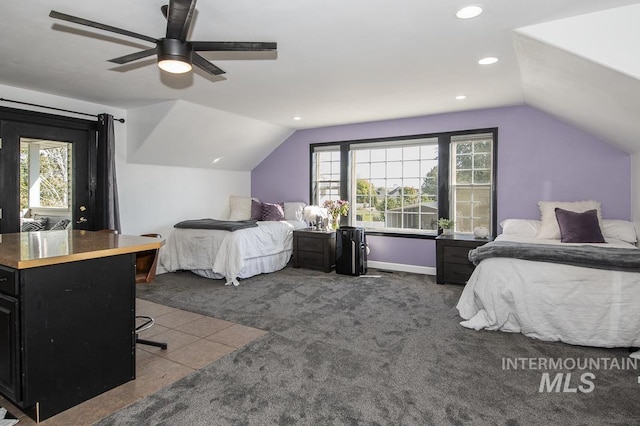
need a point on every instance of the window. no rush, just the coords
(395, 185)
(471, 181)
(325, 174)
(45, 174)
(403, 185)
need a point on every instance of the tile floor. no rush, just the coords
(194, 341)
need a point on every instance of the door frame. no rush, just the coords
(26, 117)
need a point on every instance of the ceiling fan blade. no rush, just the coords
(206, 65)
(81, 21)
(179, 15)
(223, 46)
(134, 56)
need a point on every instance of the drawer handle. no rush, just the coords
(4, 279)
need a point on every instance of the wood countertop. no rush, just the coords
(32, 249)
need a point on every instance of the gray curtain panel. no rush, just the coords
(107, 138)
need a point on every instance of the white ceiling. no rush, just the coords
(338, 62)
(585, 71)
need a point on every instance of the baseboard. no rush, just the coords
(425, 270)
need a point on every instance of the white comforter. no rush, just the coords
(554, 302)
(216, 253)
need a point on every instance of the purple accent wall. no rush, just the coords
(539, 158)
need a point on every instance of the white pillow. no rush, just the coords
(521, 227)
(294, 210)
(619, 229)
(239, 207)
(549, 228)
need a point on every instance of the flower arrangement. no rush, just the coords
(336, 208)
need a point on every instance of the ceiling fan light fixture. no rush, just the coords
(174, 53)
(173, 66)
(174, 56)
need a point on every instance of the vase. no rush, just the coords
(447, 231)
(335, 222)
(480, 232)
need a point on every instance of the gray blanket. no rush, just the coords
(225, 225)
(618, 259)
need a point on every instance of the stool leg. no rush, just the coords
(152, 343)
(149, 322)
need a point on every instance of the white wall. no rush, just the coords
(635, 191)
(152, 198)
(184, 134)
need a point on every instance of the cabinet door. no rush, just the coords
(77, 327)
(9, 384)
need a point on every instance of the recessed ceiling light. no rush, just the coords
(461, 97)
(297, 117)
(216, 160)
(488, 60)
(468, 12)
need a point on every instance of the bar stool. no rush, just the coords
(146, 265)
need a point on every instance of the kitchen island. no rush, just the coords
(67, 316)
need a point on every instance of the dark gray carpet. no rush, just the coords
(365, 350)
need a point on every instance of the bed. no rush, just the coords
(265, 245)
(555, 301)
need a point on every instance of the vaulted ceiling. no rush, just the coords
(337, 62)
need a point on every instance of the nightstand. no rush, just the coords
(314, 249)
(452, 260)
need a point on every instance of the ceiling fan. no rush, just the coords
(175, 54)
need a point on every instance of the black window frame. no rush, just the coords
(444, 161)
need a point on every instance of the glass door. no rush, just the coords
(46, 184)
(45, 177)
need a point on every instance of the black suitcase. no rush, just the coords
(351, 251)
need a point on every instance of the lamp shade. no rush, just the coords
(174, 56)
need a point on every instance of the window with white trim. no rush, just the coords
(471, 181)
(325, 170)
(394, 185)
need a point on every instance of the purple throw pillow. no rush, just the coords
(272, 211)
(579, 227)
(256, 210)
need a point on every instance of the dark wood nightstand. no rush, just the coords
(314, 249)
(452, 260)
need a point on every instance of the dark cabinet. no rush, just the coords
(9, 371)
(66, 332)
(452, 260)
(314, 249)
